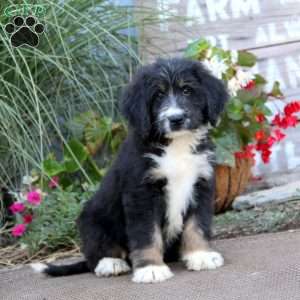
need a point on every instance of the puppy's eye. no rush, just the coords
(186, 91)
(160, 94)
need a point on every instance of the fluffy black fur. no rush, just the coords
(121, 216)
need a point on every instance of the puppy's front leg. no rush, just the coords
(148, 261)
(145, 243)
(195, 251)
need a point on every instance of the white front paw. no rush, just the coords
(109, 266)
(203, 260)
(152, 274)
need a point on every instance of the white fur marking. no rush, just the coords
(203, 260)
(182, 168)
(38, 267)
(152, 274)
(109, 266)
(172, 110)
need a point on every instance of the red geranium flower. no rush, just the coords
(289, 121)
(260, 135)
(246, 153)
(27, 219)
(292, 107)
(262, 146)
(266, 156)
(239, 155)
(250, 85)
(279, 135)
(260, 118)
(277, 120)
(271, 140)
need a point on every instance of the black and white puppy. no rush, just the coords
(155, 205)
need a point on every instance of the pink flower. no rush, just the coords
(34, 197)
(27, 219)
(17, 207)
(18, 230)
(53, 183)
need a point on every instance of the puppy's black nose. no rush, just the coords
(176, 120)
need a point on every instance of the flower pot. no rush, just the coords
(231, 182)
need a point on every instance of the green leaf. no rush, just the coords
(94, 174)
(235, 115)
(276, 92)
(260, 106)
(266, 111)
(65, 181)
(247, 108)
(194, 49)
(224, 156)
(260, 79)
(52, 167)
(226, 145)
(95, 134)
(246, 59)
(235, 109)
(74, 155)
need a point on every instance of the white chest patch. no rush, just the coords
(181, 167)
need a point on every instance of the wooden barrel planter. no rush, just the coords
(231, 182)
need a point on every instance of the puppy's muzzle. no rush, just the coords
(177, 121)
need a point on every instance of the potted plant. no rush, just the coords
(247, 124)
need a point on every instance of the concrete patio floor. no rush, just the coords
(259, 267)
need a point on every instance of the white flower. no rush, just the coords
(234, 56)
(23, 246)
(19, 196)
(244, 77)
(233, 86)
(27, 180)
(246, 123)
(209, 53)
(216, 65)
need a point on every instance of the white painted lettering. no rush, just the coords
(217, 9)
(261, 36)
(241, 8)
(293, 68)
(194, 11)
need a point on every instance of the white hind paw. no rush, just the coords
(203, 260)
(109, 266)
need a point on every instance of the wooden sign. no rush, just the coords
(268, 28)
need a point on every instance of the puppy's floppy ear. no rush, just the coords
(135, 104)
(216, 94)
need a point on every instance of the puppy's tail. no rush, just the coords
(63, 270)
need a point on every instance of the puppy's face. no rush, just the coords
(178, 103)
(172, 96)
